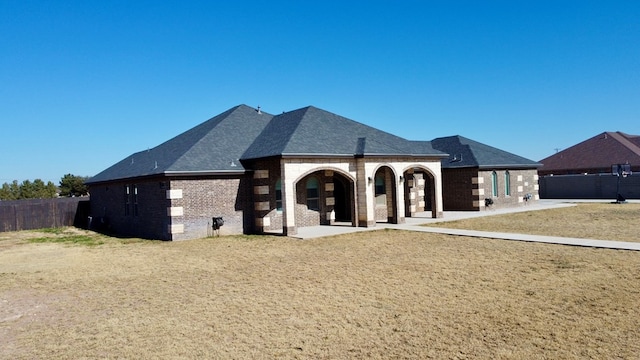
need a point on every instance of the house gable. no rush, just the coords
(595, 155)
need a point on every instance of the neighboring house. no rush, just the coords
(476, 175)
(595, 155)
(584, 170)
(265, 173)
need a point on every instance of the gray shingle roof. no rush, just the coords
(242, 133)
(216, 145)
(465, 152)
(312, 131)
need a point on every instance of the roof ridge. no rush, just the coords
(239, 109)
(205, 133)
(470, 148)
(624, 141)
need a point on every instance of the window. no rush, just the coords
(494, 184)
(127, 200)
(381, 191)
(507, 183)
(279, 195)
(313, 195)
(135, 200)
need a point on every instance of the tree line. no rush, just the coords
(69, 185)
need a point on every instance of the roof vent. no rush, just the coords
(258, 110)
(232, 164)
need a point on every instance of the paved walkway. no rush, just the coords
(413, 224)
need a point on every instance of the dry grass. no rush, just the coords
(602, 221)
(383, 294)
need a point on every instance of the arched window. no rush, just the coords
(494, 184)
(313, 195)
(279, 195)
(380, 189)
(507, 183)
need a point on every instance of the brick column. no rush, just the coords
(261, 202)
(288, 200)
(365, 197)
(477, 192)
(329, 198)
(400, 214)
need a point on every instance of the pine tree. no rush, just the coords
(72, 185)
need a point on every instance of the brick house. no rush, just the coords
(586, 170)
(268, 173)
(475, 175)
(595, 155)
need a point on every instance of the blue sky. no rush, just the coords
(83, 84)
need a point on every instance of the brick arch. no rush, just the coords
(346, 174)
(419, 166)
(326, 214)
(390, 166)
(420, 191)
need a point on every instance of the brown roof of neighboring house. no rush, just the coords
(596, 154)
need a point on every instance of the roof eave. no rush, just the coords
(365, 155)
(205, 172)
(170, 173)
(510, 166)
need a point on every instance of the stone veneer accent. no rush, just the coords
(261, 174)
(175, 211)
(176, 229)
(174, 194)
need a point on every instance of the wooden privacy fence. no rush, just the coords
(43, 213)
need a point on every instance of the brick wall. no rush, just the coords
(140, 213)
(173, 208)
(522, 182)
(458, 189)
(206, 197)
(466, 189)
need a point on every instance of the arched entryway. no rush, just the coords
(325, 197)
(385, 202)
(420, 193)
